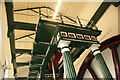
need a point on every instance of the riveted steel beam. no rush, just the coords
(98, 14)
(10, 20)
(24, 26)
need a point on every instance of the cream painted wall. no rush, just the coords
(108, 23)
(80, 60)
(5, 53)
(0, 40)
(119, 19)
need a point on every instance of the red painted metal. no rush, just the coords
(92, 73)
(110, 44)
(115, 63)
(56, 57)
(110, 41)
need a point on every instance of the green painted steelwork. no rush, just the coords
(25, 36)
(10, 34)
(22, 64)
(17, 51)
(68, 64)
(46, 41)
(100, 11)
(116, 4)
(44, 47)
(24, 26)
(103, 67)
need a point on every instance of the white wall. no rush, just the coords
(5, 53)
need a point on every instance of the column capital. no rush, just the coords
(94, 47)
(63, 43)
(65, 49)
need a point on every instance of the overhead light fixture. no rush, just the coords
(57, 8)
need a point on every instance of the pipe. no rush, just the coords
(53, 69)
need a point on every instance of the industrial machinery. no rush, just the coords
(58, 44)
(53, 37)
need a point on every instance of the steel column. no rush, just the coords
(53, 69)
(101, 62)
(67, 61)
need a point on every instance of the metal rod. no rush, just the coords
(30, 37)
(92, 73)
(79, 21)
(29, 8)
(62, 15)
(53, 69)
(40, 13)
(25, 36)
(61, 18)
(90, 24)
(65, 76)
(85, 65)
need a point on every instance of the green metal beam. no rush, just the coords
(23, 51)
(64, 16)
(22, 64)
(45, 15)
(98, 14)
(40, 14)
(25, 36)
(116, 4)
(30, 8)
(24, 26)
(10, 20)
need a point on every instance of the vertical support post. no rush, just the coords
(68, 63)
(53, 69)
(39, 13)
(79, 21)
(101, 63)
(40, 74)
(61, 19)
(65, 76)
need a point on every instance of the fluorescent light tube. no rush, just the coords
(57, 8)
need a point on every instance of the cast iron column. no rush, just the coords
(101, 63)
(68, 63)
